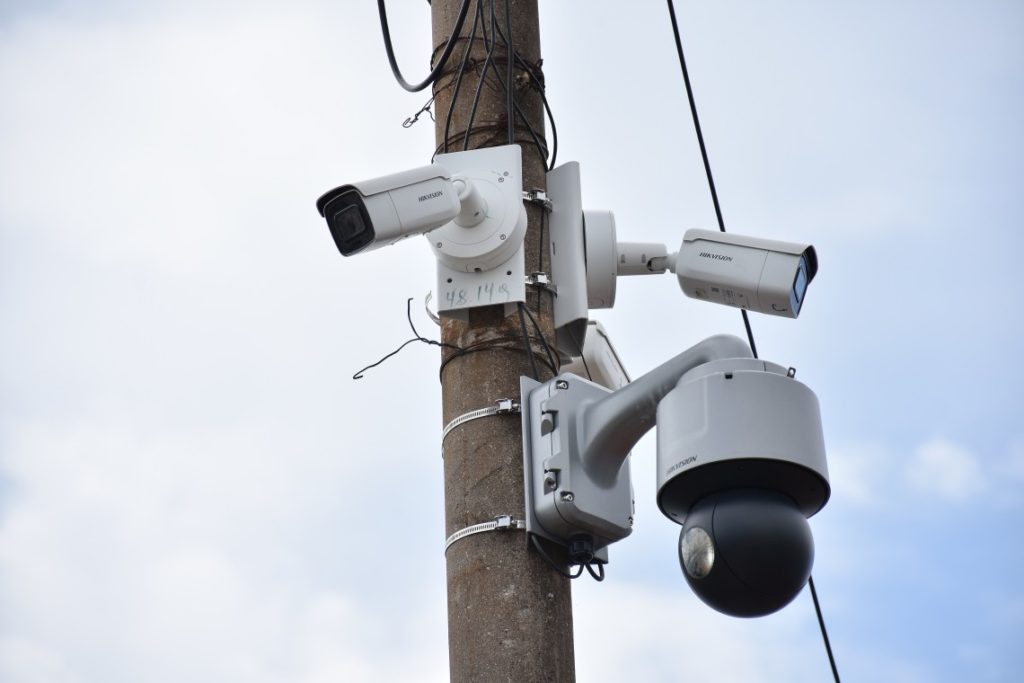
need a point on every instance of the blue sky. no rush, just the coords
(192, 488)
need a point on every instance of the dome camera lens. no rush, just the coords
(697, 552)
(746, 552)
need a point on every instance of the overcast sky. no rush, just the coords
(192, 488)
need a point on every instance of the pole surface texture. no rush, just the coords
(509, 612)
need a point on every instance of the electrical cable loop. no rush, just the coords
(449, 46)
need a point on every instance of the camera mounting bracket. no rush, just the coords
(483, 264)
(563, 499)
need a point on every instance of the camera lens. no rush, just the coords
(697, 552)
(746, 552)
(349, 224)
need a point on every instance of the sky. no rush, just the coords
(193, 488)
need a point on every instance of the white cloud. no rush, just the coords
(634, 632)
(1014, 465)
(947, 471)
(187, 557)
(630, 631)
(24, 661)
(859, 473)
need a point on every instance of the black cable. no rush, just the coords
(504, 84)
(824, 633)
(501, 343)
(746, 319)
(579, 347)
(554, 565)
(479, 85)
(417, 337)
(510, 89)
(359, 373)
(526, 340)
(540, 333)
(704, 151)
(599, 575)
(458, 79)
(436, 71)
(539, 86)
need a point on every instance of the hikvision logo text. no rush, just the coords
(716, 257)
(425, 197)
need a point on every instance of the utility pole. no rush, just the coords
(509, 612)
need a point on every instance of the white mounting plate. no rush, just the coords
(484, 265)
(459, 291)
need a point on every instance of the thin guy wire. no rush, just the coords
(824, 632)
(746, 319)
(704, 153)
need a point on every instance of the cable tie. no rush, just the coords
(503, 406)
(539, 197)
(542, 281)
(430, 313)
(499, 523)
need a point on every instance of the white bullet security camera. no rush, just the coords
(374, 213)
(767, 276)
(757, 274)
(468, 204)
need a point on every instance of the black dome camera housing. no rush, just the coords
(746, 552)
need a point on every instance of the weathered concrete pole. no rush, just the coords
(509, 613)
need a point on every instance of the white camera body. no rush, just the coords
(374, 213)
(469, 205)
(757, 274)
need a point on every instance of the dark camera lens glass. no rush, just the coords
(800, 282)
(349, 224)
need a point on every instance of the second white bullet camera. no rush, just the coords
(761, 275)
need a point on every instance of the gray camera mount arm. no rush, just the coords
(608, 428)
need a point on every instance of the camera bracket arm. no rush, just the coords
(576, 441)
(608, 429)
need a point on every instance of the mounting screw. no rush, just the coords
(561, 384)
(568, 497)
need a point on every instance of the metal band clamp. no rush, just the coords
(501, 407)
(539, 197)
(499, 523)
